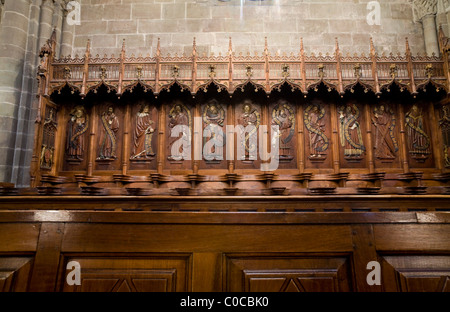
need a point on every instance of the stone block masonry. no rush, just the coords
(247, 22)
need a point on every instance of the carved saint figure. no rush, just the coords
(318, 141)
(213, 118)
(445, 128)
(48, 141)
(108, 137)
(283, 116)
(418, 139)
(385, 143)
(143, 134)
(179, 115)
(249, 117)
(350, 131)
(76, 128)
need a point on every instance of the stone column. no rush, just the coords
(46, 21)
(67, 34)
(24, 136)
(425, 12)
(13, 45)
(442, 16)
(58, 17)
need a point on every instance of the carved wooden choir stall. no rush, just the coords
(363, 174)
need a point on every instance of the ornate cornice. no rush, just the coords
(443, 6)
(422, 8)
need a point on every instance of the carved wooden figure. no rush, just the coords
(108, 135)
(419, 143)
(249, 117)
(180, 125)
(283, 116)
(315, 124)
(48, 141)
(350, 132)
(76, 129)
(386, 145)
(143, 135)
(445, 128)
(213, 117)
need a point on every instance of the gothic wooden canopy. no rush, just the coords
(355, 123)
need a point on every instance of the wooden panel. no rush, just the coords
(47, 258)
(318, 149)
(286, 273)
(160, 273)
(424, 273)
(18, 237)
(143, 134)
(410, 237)
(15, 273)
(203, 238)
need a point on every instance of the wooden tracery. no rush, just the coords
(326, 99)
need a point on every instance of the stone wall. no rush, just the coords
(212, 22)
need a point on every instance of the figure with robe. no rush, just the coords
(418, 140)
(283, 116)
(76, 129)
(143, 135)
(179, 116)
(213, 119)
(249, 117)
(350, 131)
(108, 135)
(445, 128)
(385, 143)
(315, 124)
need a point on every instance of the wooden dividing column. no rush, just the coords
(196, 139)
(374, 68)
(126, 140)
(45, 268)
(303, 69)
(335, 135)
(86, 68)
(403, 140)
(300, 139)
(364, 252)
(339, 68)
(436, 139)
(369, 145)
(92, 143)
(161, 139)
(230, 137)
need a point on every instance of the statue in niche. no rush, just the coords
(350, 132)
(386, 145)
(143, 134)
(445, 128)
(213, 118)
(283, 116)
(418, 140)
(314, 123)
(76, 128)
(179, 115)
(108, 135)
(48, 141)
(249, 117)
